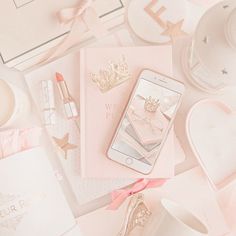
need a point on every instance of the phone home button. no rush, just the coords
(129, 161)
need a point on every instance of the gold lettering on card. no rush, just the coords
(13, 208)
(155, 15)
(110, 109)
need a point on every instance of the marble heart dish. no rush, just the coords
(211, 131)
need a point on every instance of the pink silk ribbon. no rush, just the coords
(82, 18)
(68, 15)
(18, 140)
(119, 196)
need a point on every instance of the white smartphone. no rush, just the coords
(146, 121)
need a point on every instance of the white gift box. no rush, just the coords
(31, 27)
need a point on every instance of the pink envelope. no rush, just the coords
(101, 112)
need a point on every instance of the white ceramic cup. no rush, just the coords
(14, 104)
(174, 220)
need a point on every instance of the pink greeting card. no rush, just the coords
(102, 108)
(31, 200)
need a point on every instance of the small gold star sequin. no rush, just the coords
(174, 30)
(224, 72)
(205, 40)
(64, 144)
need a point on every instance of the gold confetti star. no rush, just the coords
(205, 40)
(224, 72)
(64, 144)
(174, 30)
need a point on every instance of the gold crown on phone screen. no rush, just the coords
(115, 74)
(151, 104)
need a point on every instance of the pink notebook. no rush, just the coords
(101, 111)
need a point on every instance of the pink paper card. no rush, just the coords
(101, 111)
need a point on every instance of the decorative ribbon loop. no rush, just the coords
(83, 14)
(119, 196)
(68, 15)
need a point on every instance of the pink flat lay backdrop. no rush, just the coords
(190, 189)
(98, 124)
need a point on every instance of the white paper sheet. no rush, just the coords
(31, 200)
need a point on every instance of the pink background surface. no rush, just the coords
(199, 199)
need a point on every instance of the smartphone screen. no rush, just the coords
(146, 121)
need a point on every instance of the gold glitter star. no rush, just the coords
(64, 144)
(224, 72)
(205, 40)
(226, 6)
(174, 30)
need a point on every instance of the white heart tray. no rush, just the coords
(211, 131)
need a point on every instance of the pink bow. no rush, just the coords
(68, 15)
(119, 196)
(82, 15)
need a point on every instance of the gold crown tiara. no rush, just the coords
(113, 75)
(151, 104)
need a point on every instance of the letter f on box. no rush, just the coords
(155, 15)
